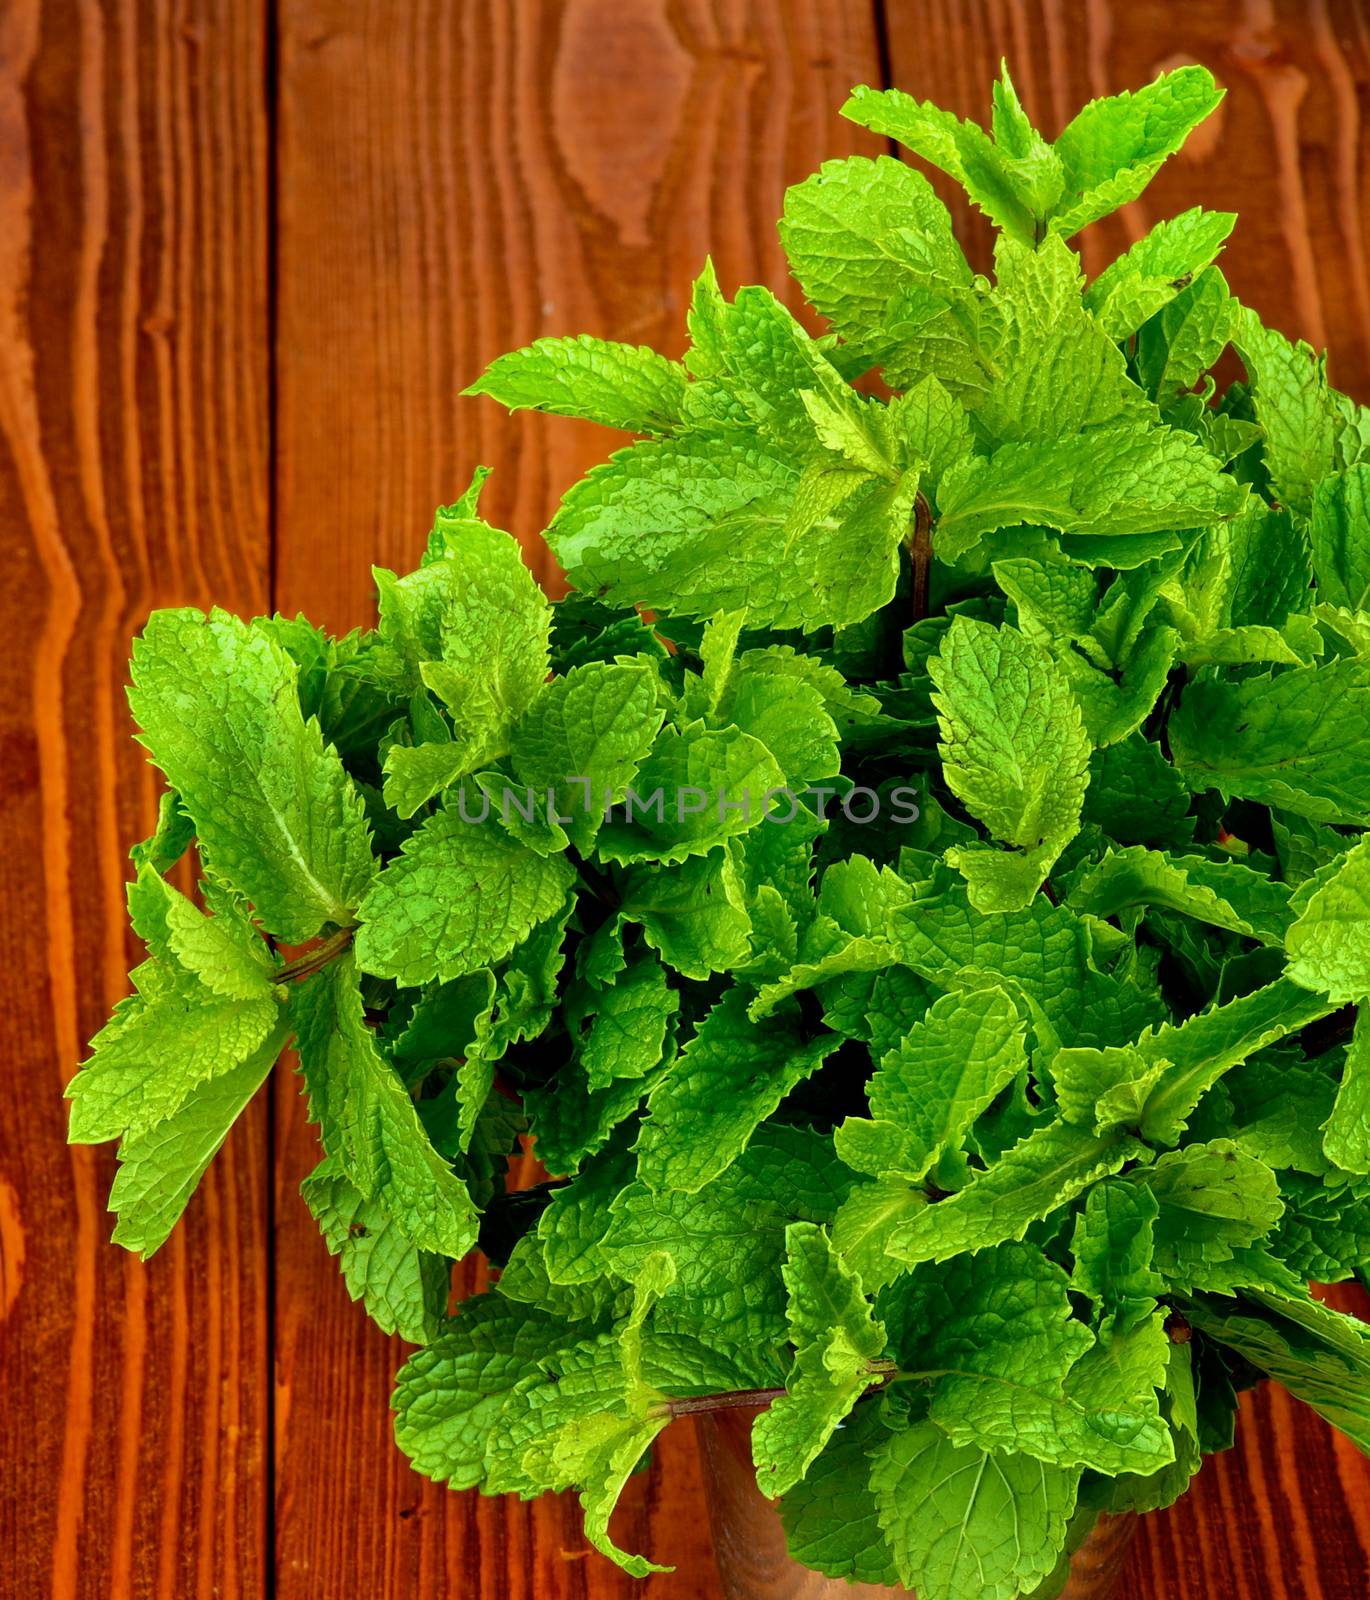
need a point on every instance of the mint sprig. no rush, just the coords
(912, 892)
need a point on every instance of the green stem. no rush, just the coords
(920, 554)
(882, 1372)
(317, 957)
(690, 1405)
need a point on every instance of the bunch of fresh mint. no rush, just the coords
(912, 892)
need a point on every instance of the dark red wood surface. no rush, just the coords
(249, 253)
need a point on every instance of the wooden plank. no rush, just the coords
(133, 456)
(1287, 1513)
(456, 181)
(1283, 1516)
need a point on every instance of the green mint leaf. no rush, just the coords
(585, 630)
(1112, 1243)
(682, 1364)
(403, 1288)
(718, 653)
(1324, 1233)
(994, 1336)
(1108, 482)
(1052, 598)
(627, 1037)
(450, 523)
(621, 385)
(1112, 149)
(1236, 578)
(876, 1007)
(580, 1434)
(792, 1166)
(348, 685)
(787, 714)
(693, 914)
(161, 1045)
(698, 787)
(1014, 752)
(1050, 1167)
(853, 428)
(931, 1087)
(835, 1339)
(1185, 338)
(830, 1516)
(933, 428)
(960, 149)
(474, 628)
(1346, 1139)
(449, 1396)
(1179, 1406)
(1275, 1108)
(849, 933)
(1035, 164)
(684, 524)
(573, 1225)
(1268, 738)
(524, 1277)
(160, 1167)
(275, 813)
(1161, 1078)
(224, 951)
(1113, 710)
(169, 840)
(459, 896)
(1304, 848)
(1225, 894)
(771, 373)
(860, 232)
(1329, 943)
(416, 774)
(1147, 277)
(728, 1241)
(446, 1020)
(1295, 409)
(569, 1121)
(1136, 796)
(580, 1378)
(965, 1523)
(1214, 1200)
(1340, 531)
(1056, 371)
(1043, 950)
(728, 1079)
(865, 1219)
(601, 1453)
(368, 1122)
(702, 525)
(519, 1007)
(1319, 1355)
(726, 1252)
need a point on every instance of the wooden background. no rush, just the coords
(248, 255)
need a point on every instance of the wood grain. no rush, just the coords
(457, 181)
(133, 457)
